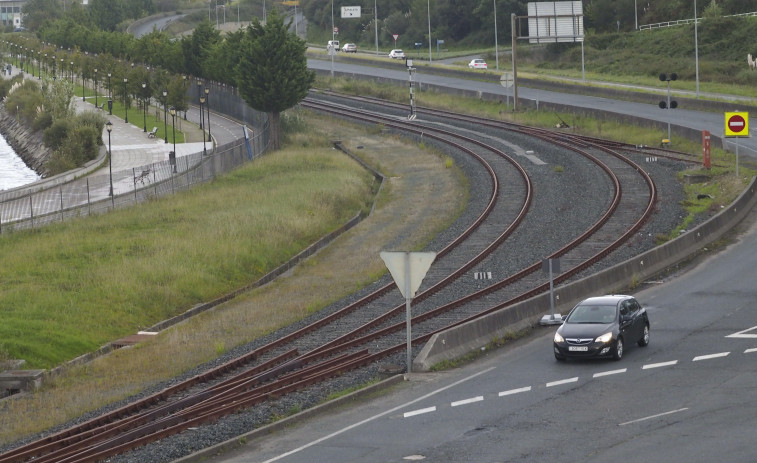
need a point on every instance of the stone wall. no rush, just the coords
(27, 144)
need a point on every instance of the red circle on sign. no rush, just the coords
(736, 123)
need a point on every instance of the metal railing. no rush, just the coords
(688, 21)
(34, 207)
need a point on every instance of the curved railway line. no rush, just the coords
(371, 328)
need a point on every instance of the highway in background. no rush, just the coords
(698, 120)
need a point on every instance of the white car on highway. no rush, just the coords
(397, 54)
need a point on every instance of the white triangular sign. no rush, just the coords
(408, 265)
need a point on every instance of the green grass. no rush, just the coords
(69, 288)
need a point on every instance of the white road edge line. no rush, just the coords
(419, 412)
(608, 373)
(749, 351)
(654, 416)
(375, 417)
(515, 391)
(711, 356)
(658, 365)
(467, 401)
(563, 381)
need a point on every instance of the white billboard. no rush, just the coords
(550, 22)
(350, 11)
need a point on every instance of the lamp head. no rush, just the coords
(109, 126)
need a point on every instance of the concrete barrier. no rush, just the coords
(475, 334)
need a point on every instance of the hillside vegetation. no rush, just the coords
(723, 46)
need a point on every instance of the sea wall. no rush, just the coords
(26, 143)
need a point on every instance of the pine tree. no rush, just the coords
(272, 74)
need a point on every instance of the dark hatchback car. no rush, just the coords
(602, 327)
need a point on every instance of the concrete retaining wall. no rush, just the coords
(473, 335)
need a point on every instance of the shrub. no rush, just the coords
(93, 119)
(23, 100)
(43, 120)
(54, 136)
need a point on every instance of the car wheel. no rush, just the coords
(559, 358)
(644, 341)
(617, 354)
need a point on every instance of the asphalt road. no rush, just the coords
(689, 396)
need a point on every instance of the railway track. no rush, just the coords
(370, 329)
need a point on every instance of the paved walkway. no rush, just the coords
(130, 144)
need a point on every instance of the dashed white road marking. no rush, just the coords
(749, 351)
(419, 412)
(654, 416)
(514, 391)
(711, 356)
(658, 365)
(467, 401)
(608, 373)
(563, 381)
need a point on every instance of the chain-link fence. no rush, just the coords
(34, 207)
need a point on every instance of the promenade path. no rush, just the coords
(130, 144)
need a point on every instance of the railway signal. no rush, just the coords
(668, 104)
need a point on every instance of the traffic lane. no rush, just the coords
(530, 402)
(522, 389)
(683, 413)
(714, 122)
(517, 381)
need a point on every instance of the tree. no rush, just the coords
(36, 12)
(272, 75)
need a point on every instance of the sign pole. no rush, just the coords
(408, 270)
(737, 126)
(408, 315)
(737, 156)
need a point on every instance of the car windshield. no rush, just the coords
(592, 314)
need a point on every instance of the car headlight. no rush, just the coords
(605, 338)
(559, 338)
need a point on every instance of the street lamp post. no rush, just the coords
(126, 119)
(144, 106)
(184, 86)
(82, 84)
(96, 87)
(109, 126)
(202, 102)
(72, 71)
(173, 127)
(202, 114)
(207, 100)
(110, 97)
(165, 117)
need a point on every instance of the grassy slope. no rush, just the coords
(68, 289)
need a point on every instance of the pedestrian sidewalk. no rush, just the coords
(130, 145)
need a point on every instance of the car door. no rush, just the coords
(625, 321)
(638, 318)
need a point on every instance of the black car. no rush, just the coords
(602, 327)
